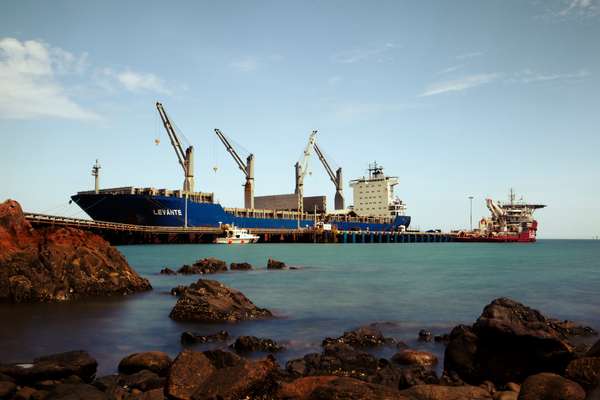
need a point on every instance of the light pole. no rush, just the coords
(471, 212)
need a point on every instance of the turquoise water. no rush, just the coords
(338, 287)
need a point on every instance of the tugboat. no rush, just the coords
(509, 222)
(235, 235)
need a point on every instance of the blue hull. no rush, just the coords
(170, 211)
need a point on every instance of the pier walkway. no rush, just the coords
(119, 234)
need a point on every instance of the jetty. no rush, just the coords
(123, 234)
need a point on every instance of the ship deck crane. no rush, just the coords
(186, 159)
(247, 168)
(336, 178)
(301, 168)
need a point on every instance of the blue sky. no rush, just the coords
(454, 98)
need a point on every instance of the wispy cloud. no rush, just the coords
(580, 7)
(458, 85)
(450, 69)
(29, 83)
(529, 76)
(137, 81)
(246, 64)
(352, 56)
(466, 56)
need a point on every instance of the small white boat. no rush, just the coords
(234, 235)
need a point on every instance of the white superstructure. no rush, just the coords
(374, 196)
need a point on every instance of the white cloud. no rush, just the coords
(362, 54)
(246, 64)
(135, 81)
(458, 85)
(29, 87)
(528, 76)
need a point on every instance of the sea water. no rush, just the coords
(337, 287)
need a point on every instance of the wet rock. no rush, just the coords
(193, 338)
(25, 393)
(56, 264)
(443, 338)
(7, 388)
(438, 392)
(594, 351)
(178, 290)
(211, 301)
(337, 359)
(167, 271)
(80, 391)
(506, 395)
(240, 266)
(585, 371)
(403, 378)
(365, 336)
(219, 374)
(53, 367)
(425, 335)
(570, 329)
(275, 264)
(334, 387)
(549, 386)
(248, 344)
(143, 380)
(415, 357)
(205, 266)
(155, 394)
(508, 342)
(154, 361)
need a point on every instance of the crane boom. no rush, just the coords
(301, 168)
(232, 151)
(247, 168)
(186, 159)
(336, 178)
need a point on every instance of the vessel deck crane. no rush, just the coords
(186, 159)
(336, 178)
(247, 168)
(301, 168)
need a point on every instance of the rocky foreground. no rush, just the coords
(511, 352)
(56, 264)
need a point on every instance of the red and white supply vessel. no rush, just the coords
(509, 222)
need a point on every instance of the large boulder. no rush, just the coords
(549, 386)
(53, 367)
(415, 357)
(275, 264)
(335, 388)
(508, 342)
(76, 392)
(249, 344)
(220, 375)
(205, 266)
(155, 361)
(362, 337)
(211, 301)
(585, 371)
(51, 264)
(193, 338)
(244, 266)
(438, 392)
(336, 359)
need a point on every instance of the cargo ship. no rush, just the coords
(509, 222)
(188, 208)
